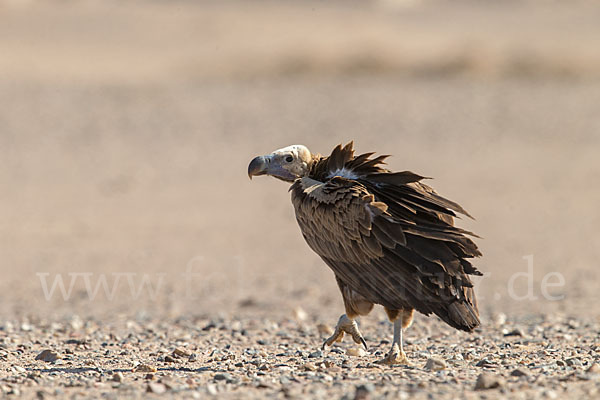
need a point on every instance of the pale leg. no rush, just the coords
(396, 354)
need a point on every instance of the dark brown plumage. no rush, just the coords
(389, 238)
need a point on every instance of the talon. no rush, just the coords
(345, 325)
(337, 336)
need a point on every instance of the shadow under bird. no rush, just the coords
(389, 239)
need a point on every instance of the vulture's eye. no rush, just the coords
(289, 159)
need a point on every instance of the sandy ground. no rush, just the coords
(125, 136)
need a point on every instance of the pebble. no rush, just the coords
(485, 363)
(224, 376)
(48, 356)
(211, 389)
(324, 330)
(514, 332)
(118, 377)
(363, 392)
(144, 368)
(181, 353)
(284, 380)
(486, 380)
(309, 367)
(435, 364)
(573, 362)
(500, 318)
(157, 388)
(26, 327)
(356, 352)
(316, 354)
(594, 369)
(300, 314)
(519, 372)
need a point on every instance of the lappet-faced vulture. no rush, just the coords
(389, 238)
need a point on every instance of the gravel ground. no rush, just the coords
(530, 358)
(124, 152)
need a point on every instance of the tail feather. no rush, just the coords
(461, 314)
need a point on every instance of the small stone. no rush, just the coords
(324, 330)
(573, 324)
(26, 327)
(519, 372)
(300, 314)
(144, 368)
(485, 363)
(20, 369)
(334, 369)
(209, 326)
(181, 353)
(364, 391)
(356, 352)
(434, 364)
(500, 319)
(248, 302)
(34, 376)
(593, 369)
(193, 357)
(149, 377)
(170, 359)
(118, 377)
(222, 377)
(514, 332)
(485, 381)
(211, 389)
(309, 367)
(48, 356)
(76, 323)
(573, 362)
(316, 354)
(157, 388)
(284, 380)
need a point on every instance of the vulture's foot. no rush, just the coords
(396, 356)
(348, 326)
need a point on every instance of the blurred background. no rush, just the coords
(126, 128)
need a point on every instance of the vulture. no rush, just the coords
(389, 238)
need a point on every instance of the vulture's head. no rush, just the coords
(287, 164)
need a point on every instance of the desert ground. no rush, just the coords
(139, 260)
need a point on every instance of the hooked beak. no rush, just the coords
(258, 166)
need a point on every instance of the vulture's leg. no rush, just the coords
(355, 305)
(402, 320)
